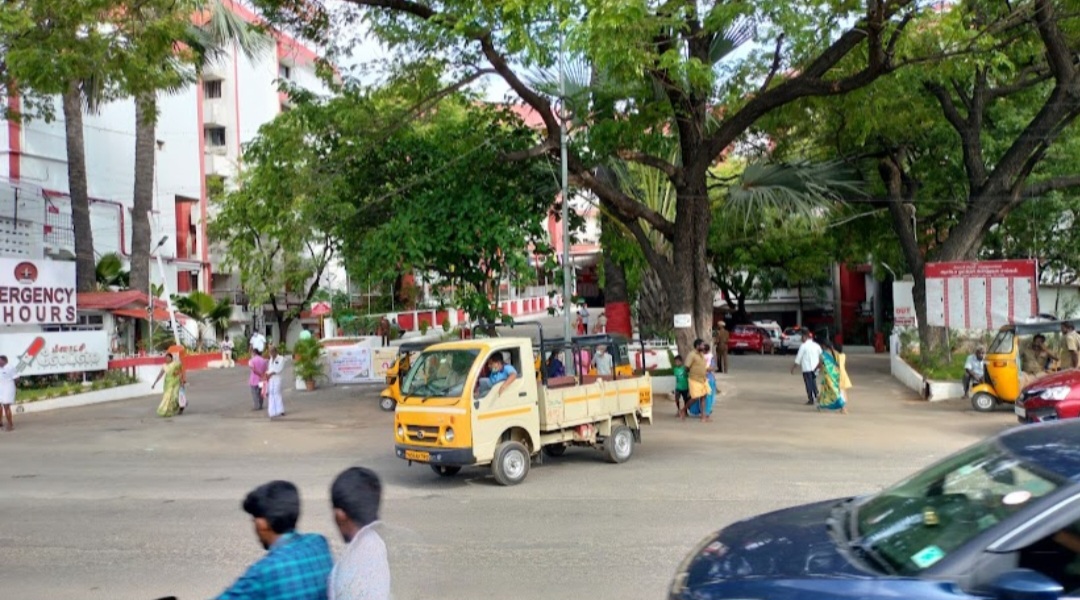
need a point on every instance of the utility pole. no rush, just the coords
(567, 267)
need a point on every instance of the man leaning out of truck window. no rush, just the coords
(500, 371)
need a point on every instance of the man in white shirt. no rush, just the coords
(363, 571)
(258, 342)
(808, 360)
(8, 375)
(602, 362)
(974, 369)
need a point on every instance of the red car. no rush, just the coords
(1051, 398)
(748, 338)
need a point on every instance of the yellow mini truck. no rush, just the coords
(451, 416)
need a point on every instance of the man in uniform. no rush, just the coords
(1070, 358)
(720, 339)
(1036, 357)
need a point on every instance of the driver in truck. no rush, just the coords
(500, 371)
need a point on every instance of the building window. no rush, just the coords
(212, 89)
(215, 136)
(284, 71)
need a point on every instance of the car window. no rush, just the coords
(920, 521)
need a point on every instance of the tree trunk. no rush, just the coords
(284, 322)
(691, 288)
(653, 311)
(145, 139)
(616, 298)
(80, 201)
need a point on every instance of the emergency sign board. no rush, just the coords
(982, 294)
(34, 292)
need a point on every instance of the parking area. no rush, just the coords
(109, 501)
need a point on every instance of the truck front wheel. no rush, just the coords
(511, 463)
(619, 445)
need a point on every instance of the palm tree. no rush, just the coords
(207, 311)
(208, 42)
(72, 101)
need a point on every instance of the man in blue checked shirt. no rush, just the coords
(296, 565)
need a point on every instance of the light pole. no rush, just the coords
(165, 287)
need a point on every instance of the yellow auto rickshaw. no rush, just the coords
(390, 396)
(1006, 374)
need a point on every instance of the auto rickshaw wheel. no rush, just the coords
(388, 404)
(984, 402)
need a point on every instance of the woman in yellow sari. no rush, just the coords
(832, 393)
(173, 373)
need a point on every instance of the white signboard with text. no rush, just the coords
(36, 292)
(980, 294)
(904, 305)
(48, 353)
(350, 364)
(684, 321)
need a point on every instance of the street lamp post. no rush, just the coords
(567, 269)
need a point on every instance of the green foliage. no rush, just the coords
(206, 310)
(308, 355)
(110, 272)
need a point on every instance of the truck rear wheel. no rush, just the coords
(555, 450)
(388, 404)
(511, 463)
(445, 471)
(619, 445)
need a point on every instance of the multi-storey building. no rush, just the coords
(200, 133)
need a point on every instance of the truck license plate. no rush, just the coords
(740, 344)
(1021, 412)
(417, 455)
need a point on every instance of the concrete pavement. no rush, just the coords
(110, 501)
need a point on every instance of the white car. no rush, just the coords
(791, 339)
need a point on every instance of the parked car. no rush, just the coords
(749, 338)
(992, 520)
(1050, 398)
(773, 330)
(791, 339)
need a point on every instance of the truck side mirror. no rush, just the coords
(1025, 584)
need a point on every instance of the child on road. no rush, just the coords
(682, 386)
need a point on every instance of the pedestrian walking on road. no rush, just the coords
(257, 342)
(296, 565)
(275, 404)
(257, 380)
(173, 372)
(583, 319)
(808, 359)
(698, 372)
(383, 331)
(720, 337)
(8, 375)
(710, 380)
(682, 386)
(362, 571)
(832, 395)
(845, 381)
(227, 353)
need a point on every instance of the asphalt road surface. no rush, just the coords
(111, 502)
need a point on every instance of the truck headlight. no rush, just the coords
(449, 434)
(400, 431)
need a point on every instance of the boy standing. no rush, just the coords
(682, 386)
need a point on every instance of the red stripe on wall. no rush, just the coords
(14, 106)
(967, 303)
(204, 200)
(989, 304)
(945, 300)
(1012, 304)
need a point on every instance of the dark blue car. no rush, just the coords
(1000, 519)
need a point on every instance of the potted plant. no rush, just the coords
(308, 366)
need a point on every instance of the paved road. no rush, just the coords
(111, 502)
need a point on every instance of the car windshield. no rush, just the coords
(915, 524)
(441, 373)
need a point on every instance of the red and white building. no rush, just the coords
(200, 133)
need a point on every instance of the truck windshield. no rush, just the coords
(918, 522)
(1003, 343)
(439, 374)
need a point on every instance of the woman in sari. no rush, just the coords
(831, 396)
(173, 373)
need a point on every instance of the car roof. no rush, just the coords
(1054, 446)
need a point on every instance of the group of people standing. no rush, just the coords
(299, 566)
(695, 382)
(581, 324)
(828, 359)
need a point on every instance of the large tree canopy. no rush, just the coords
(667, 70)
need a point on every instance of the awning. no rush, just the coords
(160, 314)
